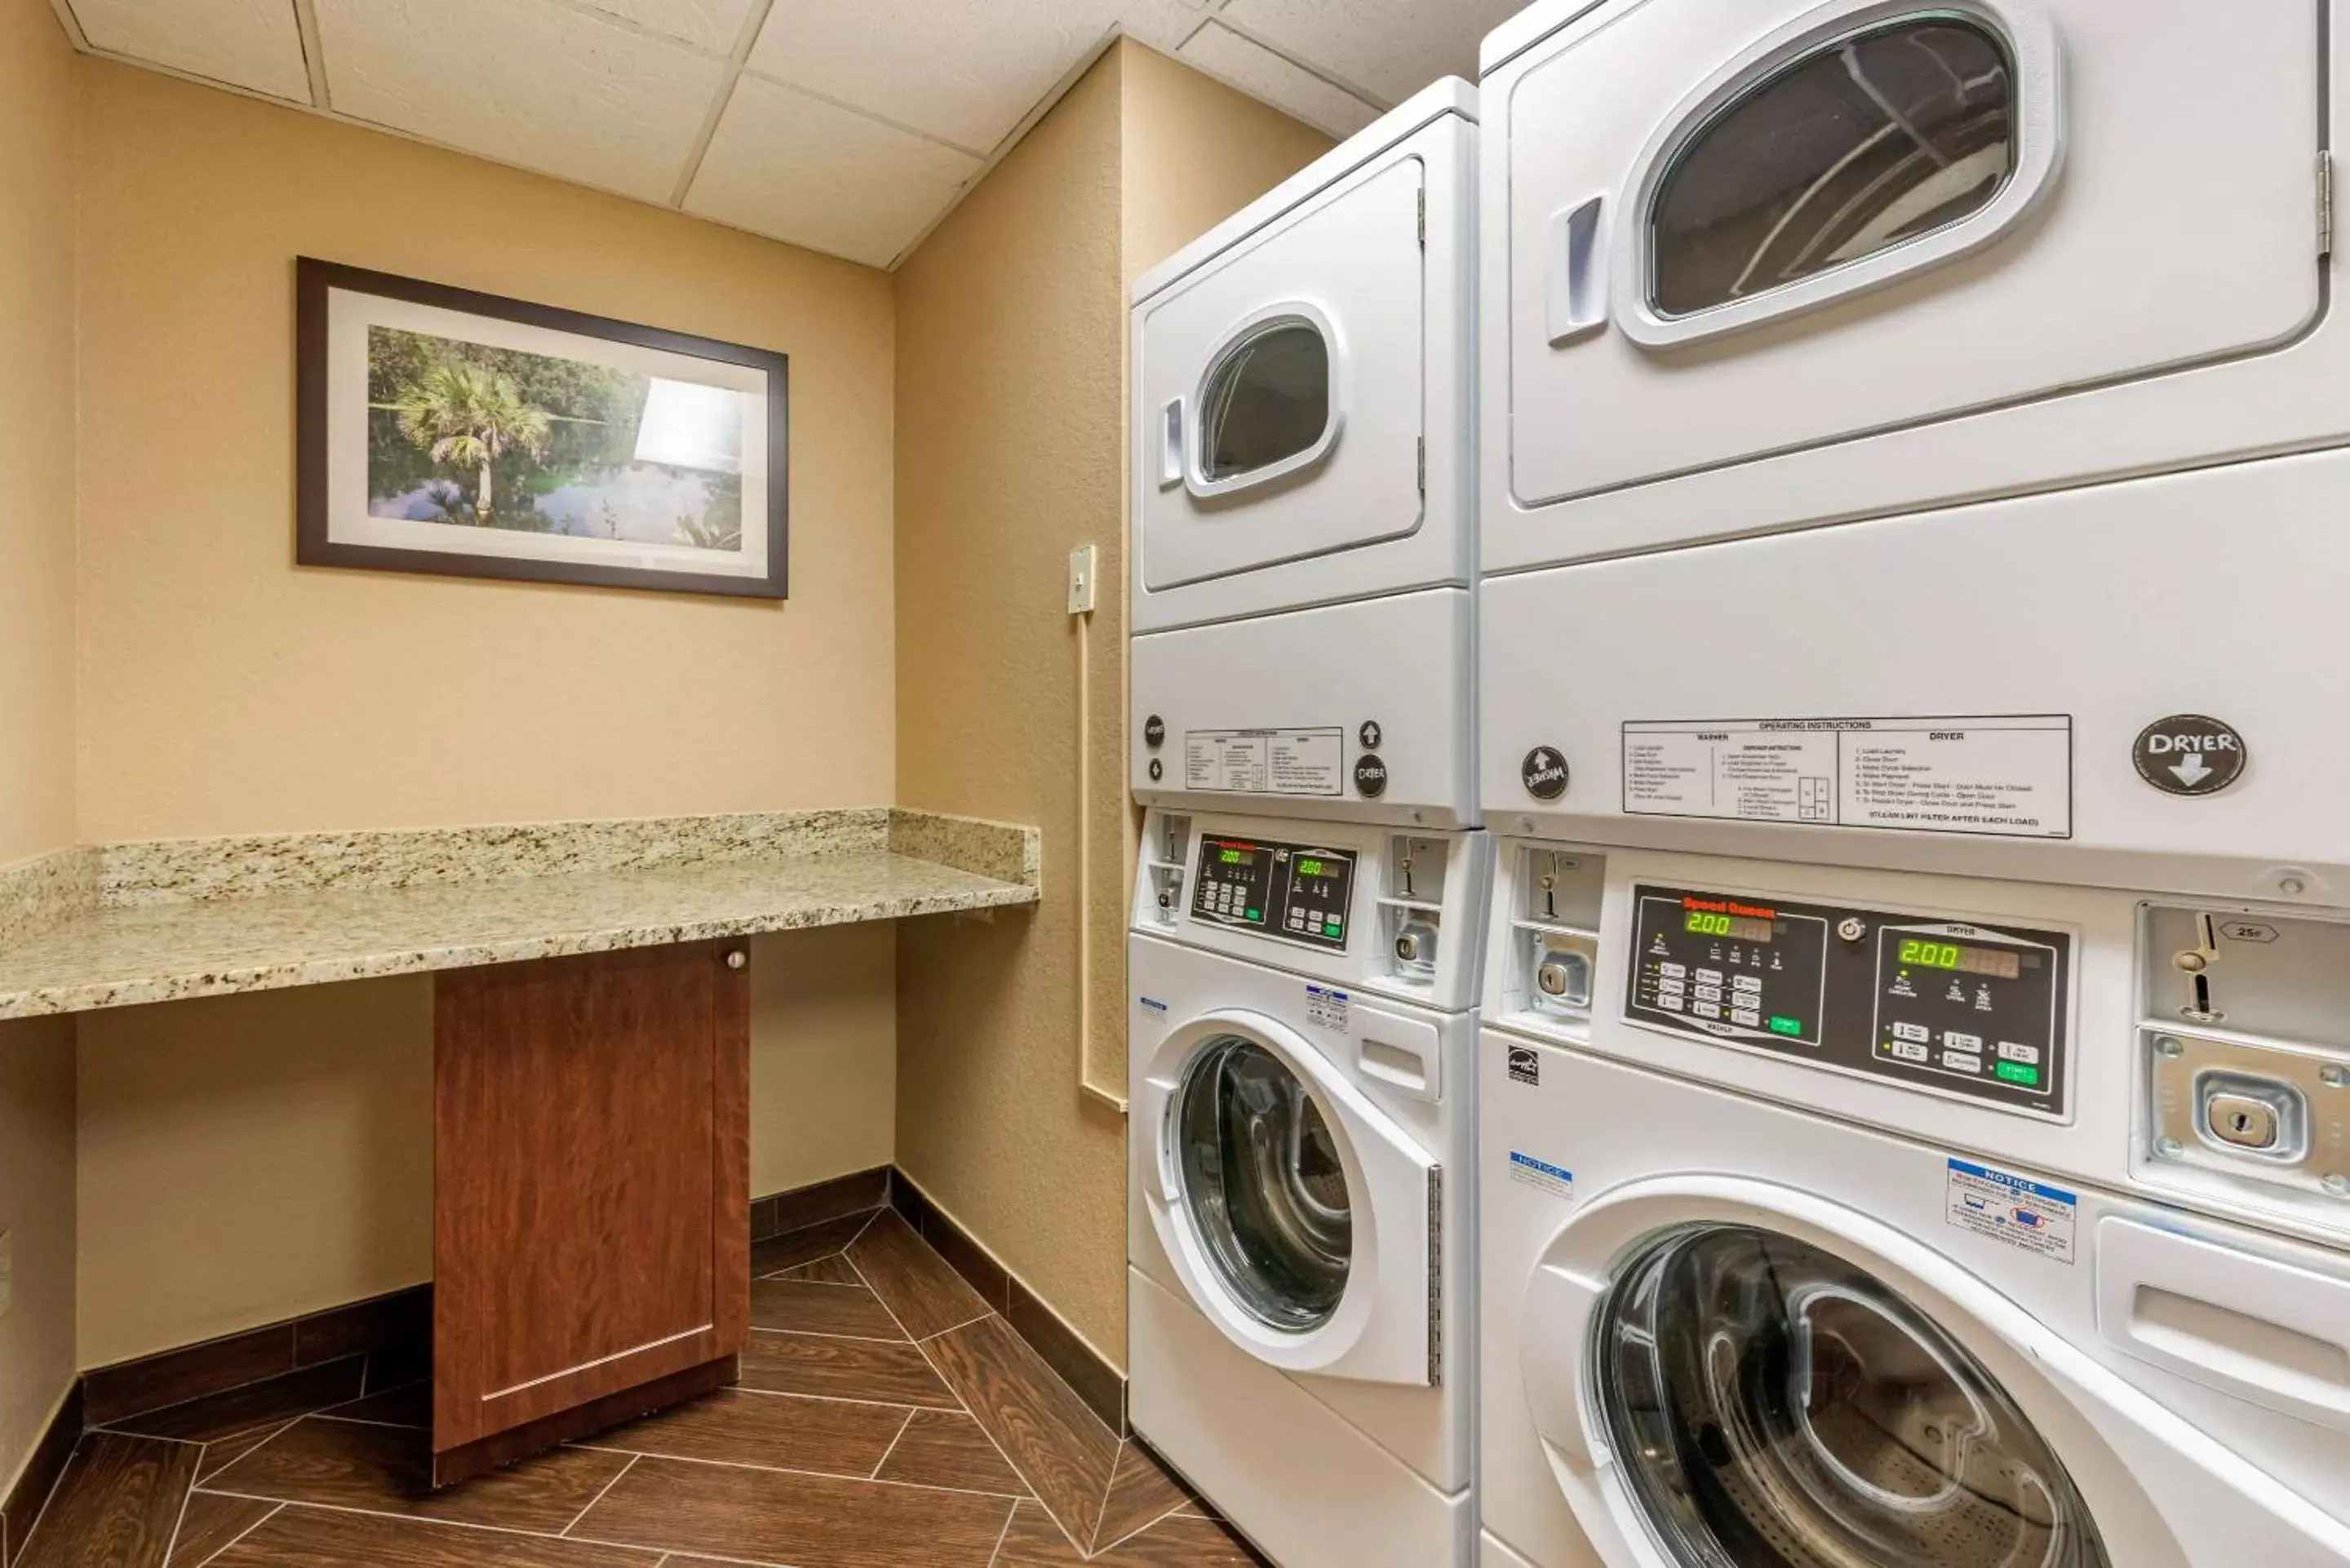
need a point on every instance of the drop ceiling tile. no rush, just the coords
(524, 81)
(254, 44)
(965, 72)
(1390, 48)
(1258, 71)
(711, 25)
(798, 169)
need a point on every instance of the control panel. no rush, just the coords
(1298, 892)
(1969, 1009)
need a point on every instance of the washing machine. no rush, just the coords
(1832, 1218)
(1912, 438)
(1303, 561)
(1302, 1034)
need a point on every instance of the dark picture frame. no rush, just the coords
(324, 536)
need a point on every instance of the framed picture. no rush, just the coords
(449, 431)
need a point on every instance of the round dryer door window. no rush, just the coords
(1775, 1407)
(1263, 1185)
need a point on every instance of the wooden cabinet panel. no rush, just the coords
(591, 1171)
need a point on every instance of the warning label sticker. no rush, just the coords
(2012, 1209)
(1265, 761)
(2002, 774)
(1326, 1007)
(1541, 1175)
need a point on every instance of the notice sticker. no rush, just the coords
(1265, 761)
(1542, 1175)
(2011, 775)
(1326, 1007)
(2011, 1210)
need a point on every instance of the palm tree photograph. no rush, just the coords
(479, 437)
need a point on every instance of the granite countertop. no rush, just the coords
(381, 911)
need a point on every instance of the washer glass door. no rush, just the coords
(1262, 1184)
(1774, 1406)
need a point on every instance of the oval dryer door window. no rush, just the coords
(1870, 141)
(1263, 1185)
(1264, 405)
(1776, 1407)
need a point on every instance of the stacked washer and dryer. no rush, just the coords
(1306, 941)
(1915, 1076)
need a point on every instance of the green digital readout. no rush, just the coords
(1237, 857)
(1311, 869)
(1705, 923)
(2000, 963)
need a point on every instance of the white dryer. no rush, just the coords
(1834, 1219)
(1300, 1227)
(1302, 555)
(1881, 465)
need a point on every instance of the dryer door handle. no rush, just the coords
(1170, 444)
(1576, 269)
(2261, 1330)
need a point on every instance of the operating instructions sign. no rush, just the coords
(2008, 775)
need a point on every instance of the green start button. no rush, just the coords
(2017, 1071)
(1782, 1024)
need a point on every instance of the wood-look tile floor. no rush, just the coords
(887, 1418)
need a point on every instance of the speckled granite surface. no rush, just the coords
(40, 892)
(223, 916)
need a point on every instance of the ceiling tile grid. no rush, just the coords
(847, 126)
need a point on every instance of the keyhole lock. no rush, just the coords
(1852, 927)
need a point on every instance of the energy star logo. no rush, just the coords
(1526, 1066)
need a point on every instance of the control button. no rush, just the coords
(2015, 1053)
(1916, 1031)
(1709, 976)
(1671, 1003)
(2017, 1072)
(1706, 1009)
(1911, 1051)
(1746, 982)
(1960, 1061)
(1782, 1024)
(1672, 970)
(1707, 992)
(1958, 1041)
(1746, 1015)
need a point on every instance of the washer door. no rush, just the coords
(1775, 1407)
(1296, 1212)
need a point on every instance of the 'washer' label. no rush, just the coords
(2011, 1209)
(2011, 774)
(1265, 761)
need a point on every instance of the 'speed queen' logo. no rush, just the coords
(1544, 772)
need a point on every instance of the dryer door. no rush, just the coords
(1725, 1370)
(1279, 390)
(1296, 1212)
(1739, 227)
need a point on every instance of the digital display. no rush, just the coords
(2002, 963)
(1237, 857)
(1298, 892)
(1311, 869)
(1737, 928)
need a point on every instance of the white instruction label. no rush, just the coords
(1326, 1007)
(2014, 1209)
(2006, 775)
(1265, 761)
(1541, 1175)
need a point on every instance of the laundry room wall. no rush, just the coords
(1011, 450)
(252, 1158)
(36, 698)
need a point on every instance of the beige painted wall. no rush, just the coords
(37, 429)
(1011, 334)
(248, 1158)
(226, 692)
(36, 693)
(270, 1155)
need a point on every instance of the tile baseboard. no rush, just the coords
(1100, 1385)
(41, 1474)
(801, 1207)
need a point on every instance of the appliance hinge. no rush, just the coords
(1423, 220)
(1423, 465)
(2324, 205)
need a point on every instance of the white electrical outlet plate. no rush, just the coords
(1081, 580)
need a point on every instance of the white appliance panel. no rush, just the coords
(1270, 714)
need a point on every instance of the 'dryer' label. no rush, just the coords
(1265, 761)
(2008, 775)
(1326, 1007)
(2014, 1210)
(1541, 1175)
